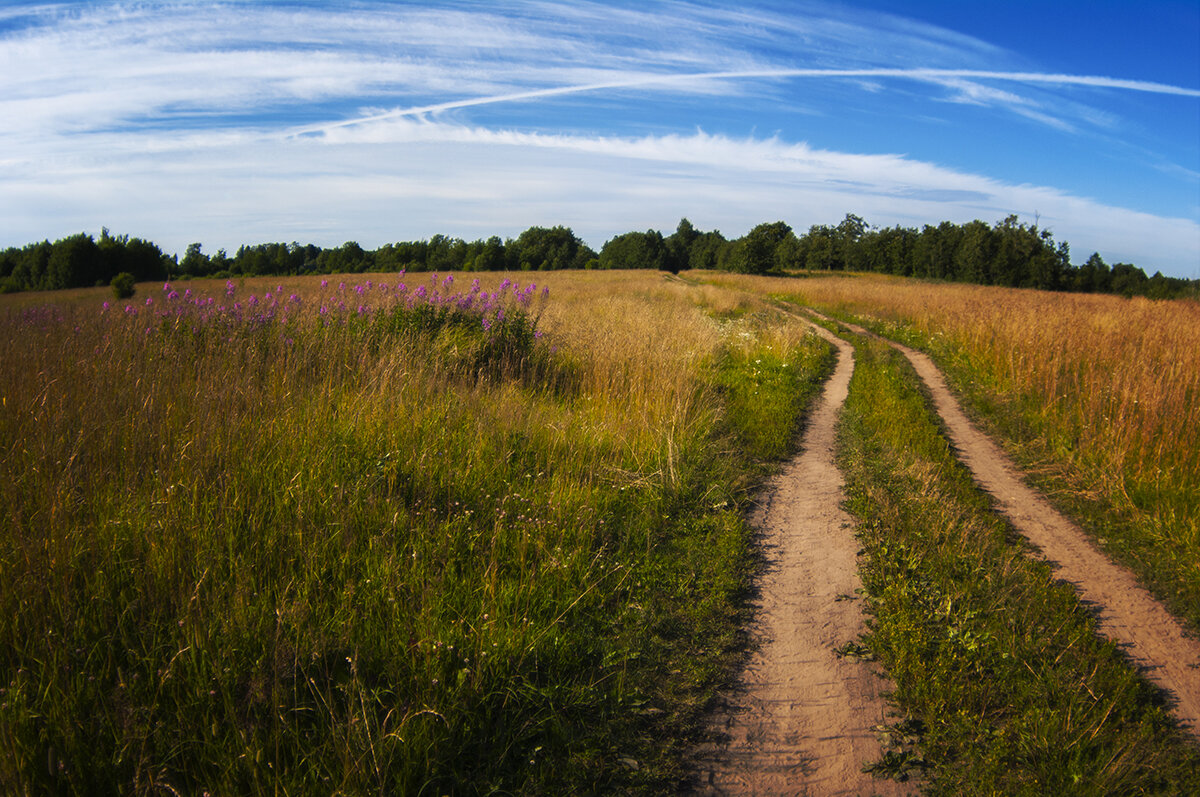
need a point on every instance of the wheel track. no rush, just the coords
(1153, 638)
(803, 718)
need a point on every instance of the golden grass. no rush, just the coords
(1098, 393)
(335, 554)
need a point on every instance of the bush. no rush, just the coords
(122, 285)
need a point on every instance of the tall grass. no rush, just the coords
(1006, 687)
(364, 541)
(1098, 397)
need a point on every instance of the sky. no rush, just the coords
(250, 122)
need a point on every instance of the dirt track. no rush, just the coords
(802, 721)
(1128, 614)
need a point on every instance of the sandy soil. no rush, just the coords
(802, 720)
(1152, 637)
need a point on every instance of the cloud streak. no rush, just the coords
(946, 77)
(240, 122)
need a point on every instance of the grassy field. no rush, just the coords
(345, 536)
(398, 534)
(1097, 397)
(1004, 685)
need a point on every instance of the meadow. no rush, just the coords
(381, 534)
(1097, 397)
(1003, 685)
(431, 534)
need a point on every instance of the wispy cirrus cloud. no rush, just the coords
(242, 121)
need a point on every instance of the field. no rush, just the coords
(1098, 397)
(405, 534)
(317, 538)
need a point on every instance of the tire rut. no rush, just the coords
(1153, 638)
(803, 718)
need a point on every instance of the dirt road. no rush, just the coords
(1128, 614)
(802, 720)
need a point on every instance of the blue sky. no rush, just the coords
(230, 123)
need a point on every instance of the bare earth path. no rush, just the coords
(1147, 632)
(803, 721)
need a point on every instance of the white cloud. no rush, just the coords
(404, 178)
(240, 122)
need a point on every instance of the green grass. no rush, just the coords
(1005, 685)
(1149, 525)
(1096, 412)
(372, 558)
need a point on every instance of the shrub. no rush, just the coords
(122, 285)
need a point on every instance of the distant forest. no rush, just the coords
(1008, 253)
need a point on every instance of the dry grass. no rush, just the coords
(361, 559)
(1098, 396)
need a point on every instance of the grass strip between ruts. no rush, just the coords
(1005, 685)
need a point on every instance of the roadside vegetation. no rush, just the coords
(407, 535)
(1096, 397)
(1003, 684)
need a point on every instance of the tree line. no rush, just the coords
(1008, 253)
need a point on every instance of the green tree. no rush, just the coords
(194, 261)
(74, 262)
(637, 250)
(543, 248)
(755, 252)
(679, 246)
